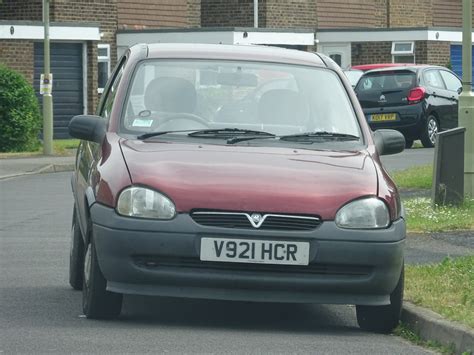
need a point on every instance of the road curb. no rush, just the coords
(50, 168)
(431, 326)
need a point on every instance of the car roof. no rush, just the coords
(366, 67)
(234, 52)
(414, 68)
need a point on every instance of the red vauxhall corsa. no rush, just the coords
(235, 173)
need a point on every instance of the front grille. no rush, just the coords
(244, 220)
(186, 263)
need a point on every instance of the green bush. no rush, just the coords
(20, 120)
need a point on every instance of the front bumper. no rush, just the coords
(161, 258)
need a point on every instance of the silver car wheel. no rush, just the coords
(432, 130)
(87, 265)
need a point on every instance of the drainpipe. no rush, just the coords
(255, 13)
(47, 97)
(466, 99)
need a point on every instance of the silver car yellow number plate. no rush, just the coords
(254, 251)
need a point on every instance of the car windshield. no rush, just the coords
(187, 95)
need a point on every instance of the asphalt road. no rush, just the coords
(40, 313)
(408, 158)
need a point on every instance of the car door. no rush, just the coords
(438, 97)
(89, 153)
(453, 85)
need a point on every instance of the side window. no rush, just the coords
(433, 79)
(111, 91)
(451, 81)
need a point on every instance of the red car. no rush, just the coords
(200, 177)
(365, 67)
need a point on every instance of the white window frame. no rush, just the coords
(409, 53)
(103, 59)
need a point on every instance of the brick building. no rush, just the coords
(88, 35)
(83, 43)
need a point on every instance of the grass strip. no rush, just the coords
(419, 177)
(406, 333)
(60, 147)
(423, 217)
(447, 288)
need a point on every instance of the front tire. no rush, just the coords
(430, 131)
(97, 302)
(76, 255)
(408, 143)
(383, 319)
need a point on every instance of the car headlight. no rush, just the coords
(367, 213)
(145, 203)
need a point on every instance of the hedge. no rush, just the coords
(20, 119)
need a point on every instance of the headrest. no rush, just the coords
(282, 106)
(168, 94)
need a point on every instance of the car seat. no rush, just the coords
(170, 94)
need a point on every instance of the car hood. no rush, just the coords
(251, 179)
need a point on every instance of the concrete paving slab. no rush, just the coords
(11, 167)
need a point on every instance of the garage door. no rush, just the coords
(456, 60)
(67, 69)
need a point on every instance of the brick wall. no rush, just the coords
(421, 52)
(100, 12)
(194, 13)
(439, 53)
(18, 55)
(92, 77)
(26, 10)
(448, 13)
(351, 13)
(371, 52)
(411, 13)
(230, 13)
(154, 13)
(291, 14)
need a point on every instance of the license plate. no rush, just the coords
(254, 251)
(382, 117)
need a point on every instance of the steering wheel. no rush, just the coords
(166, 117)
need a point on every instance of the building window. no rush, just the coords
(103, 59)
(403, 52)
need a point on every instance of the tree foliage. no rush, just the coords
(20, 120)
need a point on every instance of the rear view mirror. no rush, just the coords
(88, 127)
(389, 141)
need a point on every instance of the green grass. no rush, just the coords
(419, 177)
(447, 288)
(60, 147)
(423, 217)
(406, 333)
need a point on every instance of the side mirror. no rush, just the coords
(88, 127)
(460, 90)
(389, 141)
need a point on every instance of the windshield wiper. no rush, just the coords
(319, 134)
(159, 133)
(229, 133)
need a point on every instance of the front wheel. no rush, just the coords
(429, 133)
(76, 255)
(383, 319)
(97, 302)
